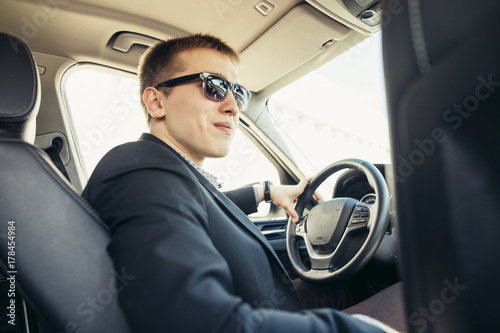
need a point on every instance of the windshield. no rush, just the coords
(338, 111)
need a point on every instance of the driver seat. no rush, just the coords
(52, 243)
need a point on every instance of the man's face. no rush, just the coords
(193, 124)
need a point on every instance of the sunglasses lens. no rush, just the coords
(216, 88)
(242, 96)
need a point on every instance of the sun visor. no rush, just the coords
(297, 37)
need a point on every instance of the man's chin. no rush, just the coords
(219, 153)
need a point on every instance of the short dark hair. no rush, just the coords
(160, 61)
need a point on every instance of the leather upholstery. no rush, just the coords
(442, 78)
(19, 89)
(61, 266)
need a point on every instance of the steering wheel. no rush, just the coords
(342, 234)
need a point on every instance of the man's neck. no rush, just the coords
(165, 138)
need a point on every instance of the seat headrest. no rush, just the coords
(19, 89)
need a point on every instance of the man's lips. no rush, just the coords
(224, 126)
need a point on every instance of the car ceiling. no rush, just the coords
(275, 48)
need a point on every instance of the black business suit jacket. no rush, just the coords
(193, 259)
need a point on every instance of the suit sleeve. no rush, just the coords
(244, 198)
(178, 281)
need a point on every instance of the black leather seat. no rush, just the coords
(61, 266)
(443, 85)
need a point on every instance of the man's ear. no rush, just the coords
(153, 102)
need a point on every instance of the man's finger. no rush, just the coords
(293, 215)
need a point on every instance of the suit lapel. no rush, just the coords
(224, 202)
(242, 219)
(238, 215)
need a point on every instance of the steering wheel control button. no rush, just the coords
(361, 215)
(299, 227)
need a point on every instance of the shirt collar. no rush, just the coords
(211, 178)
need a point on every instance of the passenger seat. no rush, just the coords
(52, 243)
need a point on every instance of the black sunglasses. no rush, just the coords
(215, 87)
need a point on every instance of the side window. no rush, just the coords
(244, 165)
(104, 111)
(344, 116)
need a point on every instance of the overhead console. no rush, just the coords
(365, 16)
(367, 11)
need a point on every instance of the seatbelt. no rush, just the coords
(54, 153)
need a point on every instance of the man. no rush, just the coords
(199, 263)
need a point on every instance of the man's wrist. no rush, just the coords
(260, 191)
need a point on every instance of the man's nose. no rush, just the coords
(230, 104)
